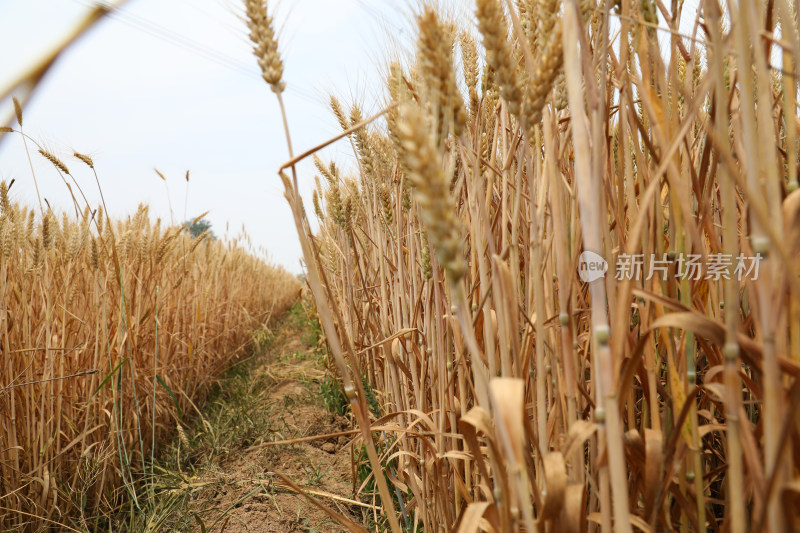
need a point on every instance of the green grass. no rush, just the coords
(232, 419)
(237, 414)
(333, 397)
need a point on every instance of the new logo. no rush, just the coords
(591, 266)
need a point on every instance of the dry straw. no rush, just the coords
(516, 396)
(82, 402)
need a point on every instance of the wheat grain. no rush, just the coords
(499, 55)
(262, 34)
(87, 160)
(17, 110)
(436, 68)
(437, 207)
(55, 161)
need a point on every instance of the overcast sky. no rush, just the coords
(172, 84)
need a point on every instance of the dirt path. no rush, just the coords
(228, 468)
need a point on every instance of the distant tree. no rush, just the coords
(197, 228)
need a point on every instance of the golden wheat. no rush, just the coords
(84, 314)
(519, 389)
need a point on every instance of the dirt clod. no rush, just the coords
(244, 485)
(329, 447)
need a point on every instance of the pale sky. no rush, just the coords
(172, 84)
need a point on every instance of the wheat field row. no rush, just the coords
(111, 333)
(521, 389)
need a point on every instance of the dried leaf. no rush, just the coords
(791, 221)
(653, 467)
(579, 432)
(573, 513)
(470, 520)
(508, 398)
(555, 475)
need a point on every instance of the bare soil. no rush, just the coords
(244, 490)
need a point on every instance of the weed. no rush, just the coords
(333, 396)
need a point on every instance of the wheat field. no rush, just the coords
(458, 269)
(111, 333)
